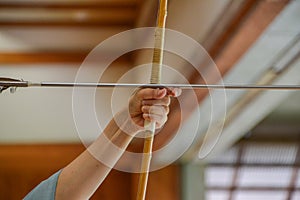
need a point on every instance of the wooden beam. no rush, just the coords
(66, 3)
(35, 58)
(246, 32)
(223, 38)
(51, 57)
(83, 13)
(74, 5)
(247, 7)
(89, 24)
(67, 17)
(147, 14)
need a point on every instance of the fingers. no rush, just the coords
(158, 119)
(153, 104)
(157, 114)
(162, 102)
(150, 93)
(156, 110)
(174, 92)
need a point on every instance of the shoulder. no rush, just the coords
(45, 190)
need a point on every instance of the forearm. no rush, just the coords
(81, 178)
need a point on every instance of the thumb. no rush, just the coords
(150, 93)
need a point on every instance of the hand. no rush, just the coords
(152, 105)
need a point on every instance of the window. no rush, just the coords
(255, 170)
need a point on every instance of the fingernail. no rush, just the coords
(161, 92)
(177, 92)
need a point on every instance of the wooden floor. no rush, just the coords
(22, 167)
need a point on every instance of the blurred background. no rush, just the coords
(251, 42)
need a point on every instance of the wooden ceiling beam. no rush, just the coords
(89, 24)
(73, 5)
(236, 41)
(98, 13)
(147, 13)
(17, 58)
(34, 58)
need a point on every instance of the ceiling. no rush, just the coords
(49, 40)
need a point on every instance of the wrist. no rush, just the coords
(124, 122)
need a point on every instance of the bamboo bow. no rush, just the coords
(155, 79)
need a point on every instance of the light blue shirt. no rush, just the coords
(45, 190)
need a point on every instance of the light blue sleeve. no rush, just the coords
(45, 190)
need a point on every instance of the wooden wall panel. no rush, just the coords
(162, 184)
(22, 167)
